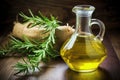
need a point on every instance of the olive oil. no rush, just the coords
(85, 54)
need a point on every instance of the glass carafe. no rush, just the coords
(84, 51)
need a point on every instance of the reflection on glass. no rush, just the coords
(99, 74)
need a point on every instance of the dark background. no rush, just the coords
(106, 10)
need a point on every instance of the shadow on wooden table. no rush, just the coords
(58, 70)
(62, 72)
(99, 74)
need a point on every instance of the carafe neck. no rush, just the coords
(83, 17)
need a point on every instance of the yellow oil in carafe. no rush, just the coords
(85, 54)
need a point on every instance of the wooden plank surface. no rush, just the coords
(58, 70)
(114, 36)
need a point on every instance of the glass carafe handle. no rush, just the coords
(101, 26)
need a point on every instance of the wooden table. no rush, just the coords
(58, 70)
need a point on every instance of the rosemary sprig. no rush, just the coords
(41, 20)
(35, 51)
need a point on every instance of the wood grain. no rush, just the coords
(58, 70)
(115, 40)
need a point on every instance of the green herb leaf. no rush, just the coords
(35, 51)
